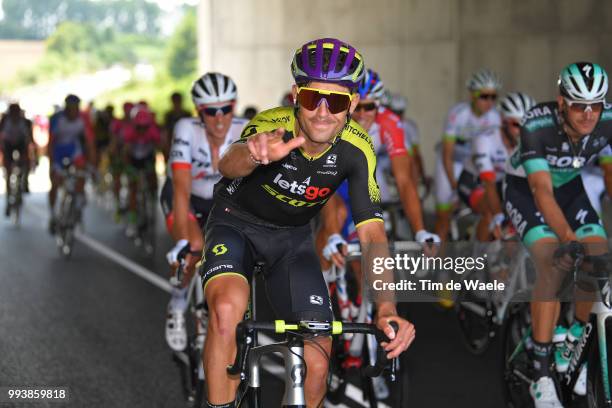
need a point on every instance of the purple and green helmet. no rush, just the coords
(328, 60)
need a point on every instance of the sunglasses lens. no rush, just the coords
(310, 99)
(367, 107)
(213, 111)
(582, 107)
(491, 97)
(338, 102)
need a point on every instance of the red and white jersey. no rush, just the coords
(388, 136)
(191, 150)
(387, 133)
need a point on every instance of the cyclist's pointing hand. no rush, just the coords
(268, 147)
(401, 340)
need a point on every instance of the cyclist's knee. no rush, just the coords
(225, 315)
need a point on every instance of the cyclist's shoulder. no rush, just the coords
(269, 120)
(606, 115)
(187, 125)
(542, 116)
(355, 135)
(459, 110)
(387, 116)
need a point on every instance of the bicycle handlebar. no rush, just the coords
(246, 328)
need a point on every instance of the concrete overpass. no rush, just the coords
(424, 49)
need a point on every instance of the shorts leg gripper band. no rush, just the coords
(538, 233)
(591, 230)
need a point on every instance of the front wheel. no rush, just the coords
(516, 364)
(599, 381)
(475, 321)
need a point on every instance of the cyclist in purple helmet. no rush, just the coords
(276, 178)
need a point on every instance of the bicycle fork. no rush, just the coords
(295, 373)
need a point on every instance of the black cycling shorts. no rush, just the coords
(294, 284)
(9, 148)
(199, 207)
(572, 199)
(146, 163)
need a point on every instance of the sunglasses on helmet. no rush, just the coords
(215, 110)
(579, 107)
(310, 99)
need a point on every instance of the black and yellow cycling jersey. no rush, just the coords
(291, 191)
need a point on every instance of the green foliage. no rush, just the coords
(37, 19)
(182, 47)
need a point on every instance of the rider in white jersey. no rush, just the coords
(186, 196)
(480, 183)
(464, 122)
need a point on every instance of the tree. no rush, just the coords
(182, 47)
(37, 19)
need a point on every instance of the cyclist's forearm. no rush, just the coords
(607, 168)
(411, 205)
(237, 162)
(180, 200)
(447, 161)
(402, 168)
(375, 251)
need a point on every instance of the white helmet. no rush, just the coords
(516, 105)
(483, 79)
(583, 81)
(213, 87)
(398, 103)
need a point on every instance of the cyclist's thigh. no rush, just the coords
(523, 212)
(579, 211)
(593, 182)
(227, 253)
(443, 190)
(295, 285)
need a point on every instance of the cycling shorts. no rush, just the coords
(199, 207)
(71, 151)
(471, 190)
(9, 148)
(134, 165)
(295, 286)
(572, 199)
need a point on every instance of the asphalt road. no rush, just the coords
(94, 326)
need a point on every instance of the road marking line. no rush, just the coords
(115, 256)
(352, 391)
